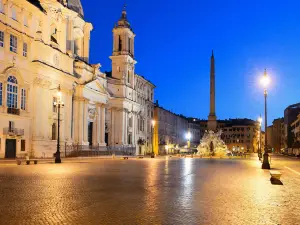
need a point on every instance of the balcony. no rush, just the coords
(13, 111)
(13, 131)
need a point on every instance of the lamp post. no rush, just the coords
(153, 122)
(265, 80)
(59, 104)
(188, 137)
(259, 149)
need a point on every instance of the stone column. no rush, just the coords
(85, 121)
(95, 135)
(134, 122)
(99, 120)
(86, 41)
(125, 133)
(79, 47)
(4, 96)
(79, 120)
(112, 127)
(75, 120)
(102, 133)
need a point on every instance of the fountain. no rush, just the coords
(212, 145)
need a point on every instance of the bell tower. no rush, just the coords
(123, 62)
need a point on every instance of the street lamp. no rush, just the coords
(265, 81)
(259, 149)
(188, 137)
(153, 122)
(59, 104)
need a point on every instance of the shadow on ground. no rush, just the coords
(275, 181)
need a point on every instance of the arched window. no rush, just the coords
(12, 92)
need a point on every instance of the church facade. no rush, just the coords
(45, 45)
(130, 110)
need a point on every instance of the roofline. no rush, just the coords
(146, 80)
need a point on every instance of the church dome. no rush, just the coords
(76, 6)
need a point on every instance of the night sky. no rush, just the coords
(174, 43)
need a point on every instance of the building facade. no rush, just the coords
(194, 128)
(296, 131)
(44, 45)
(240, 135)
(170, 131)
(130, 110)
(276, 135)
(290, 115)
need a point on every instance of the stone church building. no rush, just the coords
(131, 107)
(45, 45)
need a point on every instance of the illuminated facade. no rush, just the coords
(296, 131)
(170, 130)
(44, 44)
(130, 111)
(240, 135)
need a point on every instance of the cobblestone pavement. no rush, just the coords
(150, 191)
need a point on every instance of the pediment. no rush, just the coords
(96, 86)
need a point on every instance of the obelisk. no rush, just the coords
(212, 118)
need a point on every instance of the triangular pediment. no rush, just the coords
(97, 86)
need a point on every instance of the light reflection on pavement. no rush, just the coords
(157, 191)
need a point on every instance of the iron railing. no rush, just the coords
(13, 131)
(96, 151)
(13, 111)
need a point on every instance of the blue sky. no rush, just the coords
(173, 48)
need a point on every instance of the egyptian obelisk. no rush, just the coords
(212, 118)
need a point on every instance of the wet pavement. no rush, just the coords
(150, 191)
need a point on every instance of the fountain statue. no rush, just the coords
(212, 145)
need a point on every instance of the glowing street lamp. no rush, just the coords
(59, 104)
(188, 137)
(153, 122)
(265, 81)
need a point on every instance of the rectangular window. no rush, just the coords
(12, 96)
(23, 99)
(13, 43)
(54, 131)
(129, 47)
(1, 39)
(129, 138)
(0, 93)
(11, 125)
(54, 109)
(130, 122)
(25, 21)
(1, 7)
(23, 145)
(13, 14)
(25, 49)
